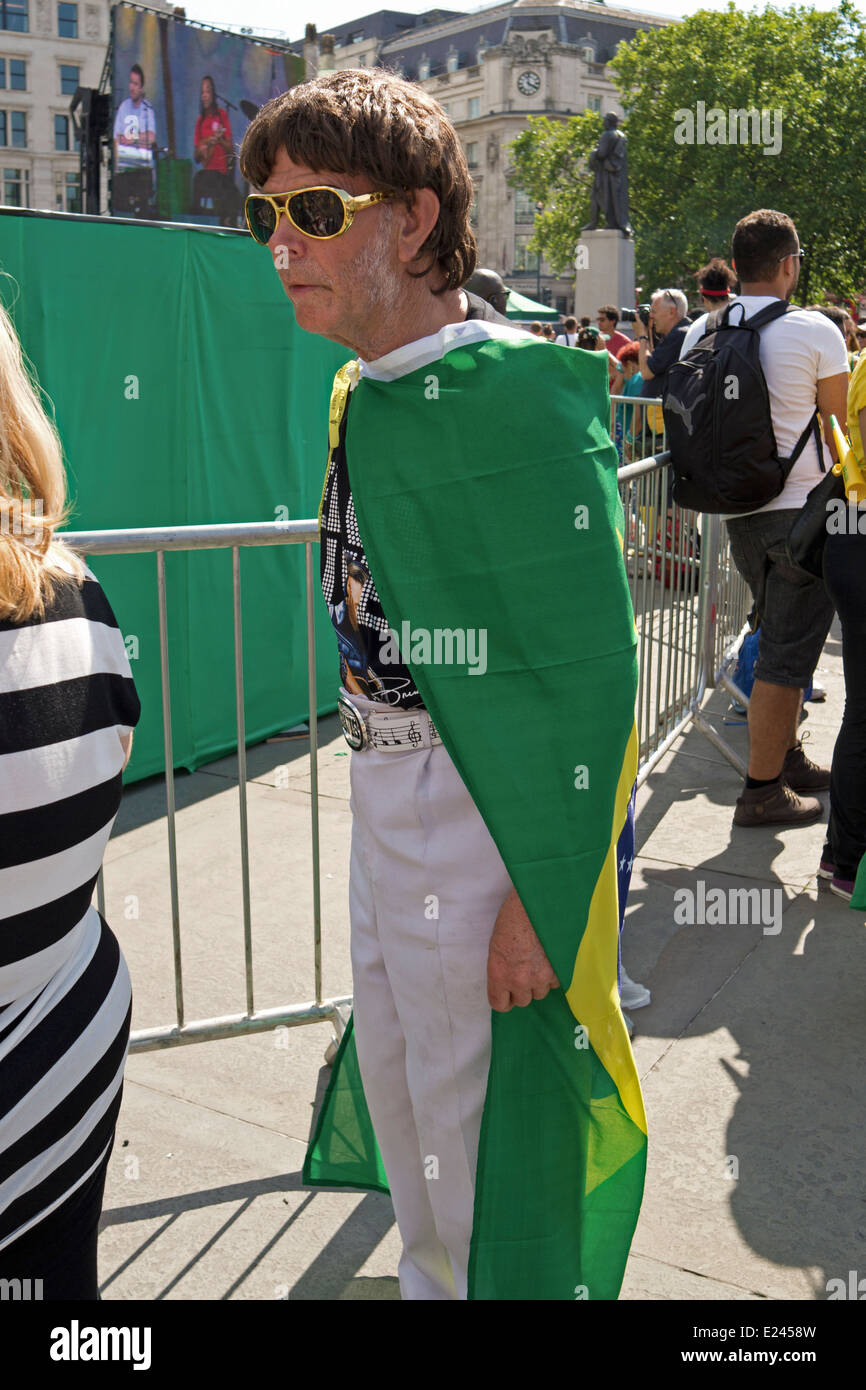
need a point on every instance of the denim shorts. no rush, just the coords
(794, 609)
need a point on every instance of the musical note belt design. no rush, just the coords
(388, 731)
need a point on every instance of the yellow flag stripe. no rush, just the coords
(343, 380)
(593, 995)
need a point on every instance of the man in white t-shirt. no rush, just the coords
(134, 126)
(805, 363)
(569, 337)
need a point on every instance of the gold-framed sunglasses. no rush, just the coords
(319, 212)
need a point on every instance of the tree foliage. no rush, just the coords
(549, 160)
(685, 198)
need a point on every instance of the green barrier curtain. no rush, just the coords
(185, 394)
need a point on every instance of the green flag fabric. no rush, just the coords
(484, 484)
(858, 899)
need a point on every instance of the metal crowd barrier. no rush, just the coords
(159, 540)
(690, 607)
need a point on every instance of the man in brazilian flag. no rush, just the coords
(471, 525)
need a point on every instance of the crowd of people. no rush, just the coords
(814, 363)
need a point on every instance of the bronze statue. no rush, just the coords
(610, 185)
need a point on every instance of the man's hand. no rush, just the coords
(518, 970)
(643, 333)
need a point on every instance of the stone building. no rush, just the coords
(490, 70)
(47, 49)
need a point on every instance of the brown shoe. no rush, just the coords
(801, 774)
(775, 805)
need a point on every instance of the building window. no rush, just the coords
(17, 74)
(588, 53)
(474, 107)
(14, 15)
(472, 154)
(452, 61)
(473, 211)
(13, 128)
(16, 187)
(593, 103)
(67, 21)
(69, 80)
(424, 68)
(524, 206)
(524, 260)
(61, 132)
(68, 192)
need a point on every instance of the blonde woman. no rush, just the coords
(67, 708)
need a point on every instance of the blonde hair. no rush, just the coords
(32, 491)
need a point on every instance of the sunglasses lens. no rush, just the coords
(318, 212)
(261, 219)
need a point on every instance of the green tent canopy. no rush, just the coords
(519, 307)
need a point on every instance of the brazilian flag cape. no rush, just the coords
(858, 900)
(484, 484)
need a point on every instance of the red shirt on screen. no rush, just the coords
(205, 127)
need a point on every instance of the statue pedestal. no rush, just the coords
(604, 271)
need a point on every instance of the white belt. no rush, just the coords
(388, 731)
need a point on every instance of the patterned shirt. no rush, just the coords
(367, 664)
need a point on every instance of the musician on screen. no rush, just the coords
(212, 144)
(134, 126)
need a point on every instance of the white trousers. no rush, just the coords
(426, 884)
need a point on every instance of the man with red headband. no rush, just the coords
(716, 282)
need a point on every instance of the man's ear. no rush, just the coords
(416, 223)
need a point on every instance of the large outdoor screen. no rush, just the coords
(182, 98)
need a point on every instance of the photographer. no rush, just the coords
(661, 339)
(667, 324)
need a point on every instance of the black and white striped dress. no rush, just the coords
(66, 696)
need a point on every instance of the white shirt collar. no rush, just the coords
(423, 351)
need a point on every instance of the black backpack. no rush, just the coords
(716, 409)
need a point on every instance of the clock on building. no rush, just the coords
(528, 83)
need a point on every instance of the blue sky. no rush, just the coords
(291, 16)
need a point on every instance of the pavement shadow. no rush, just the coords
(792, 1001)
(331, 1276)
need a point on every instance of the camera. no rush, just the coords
(642, 312)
